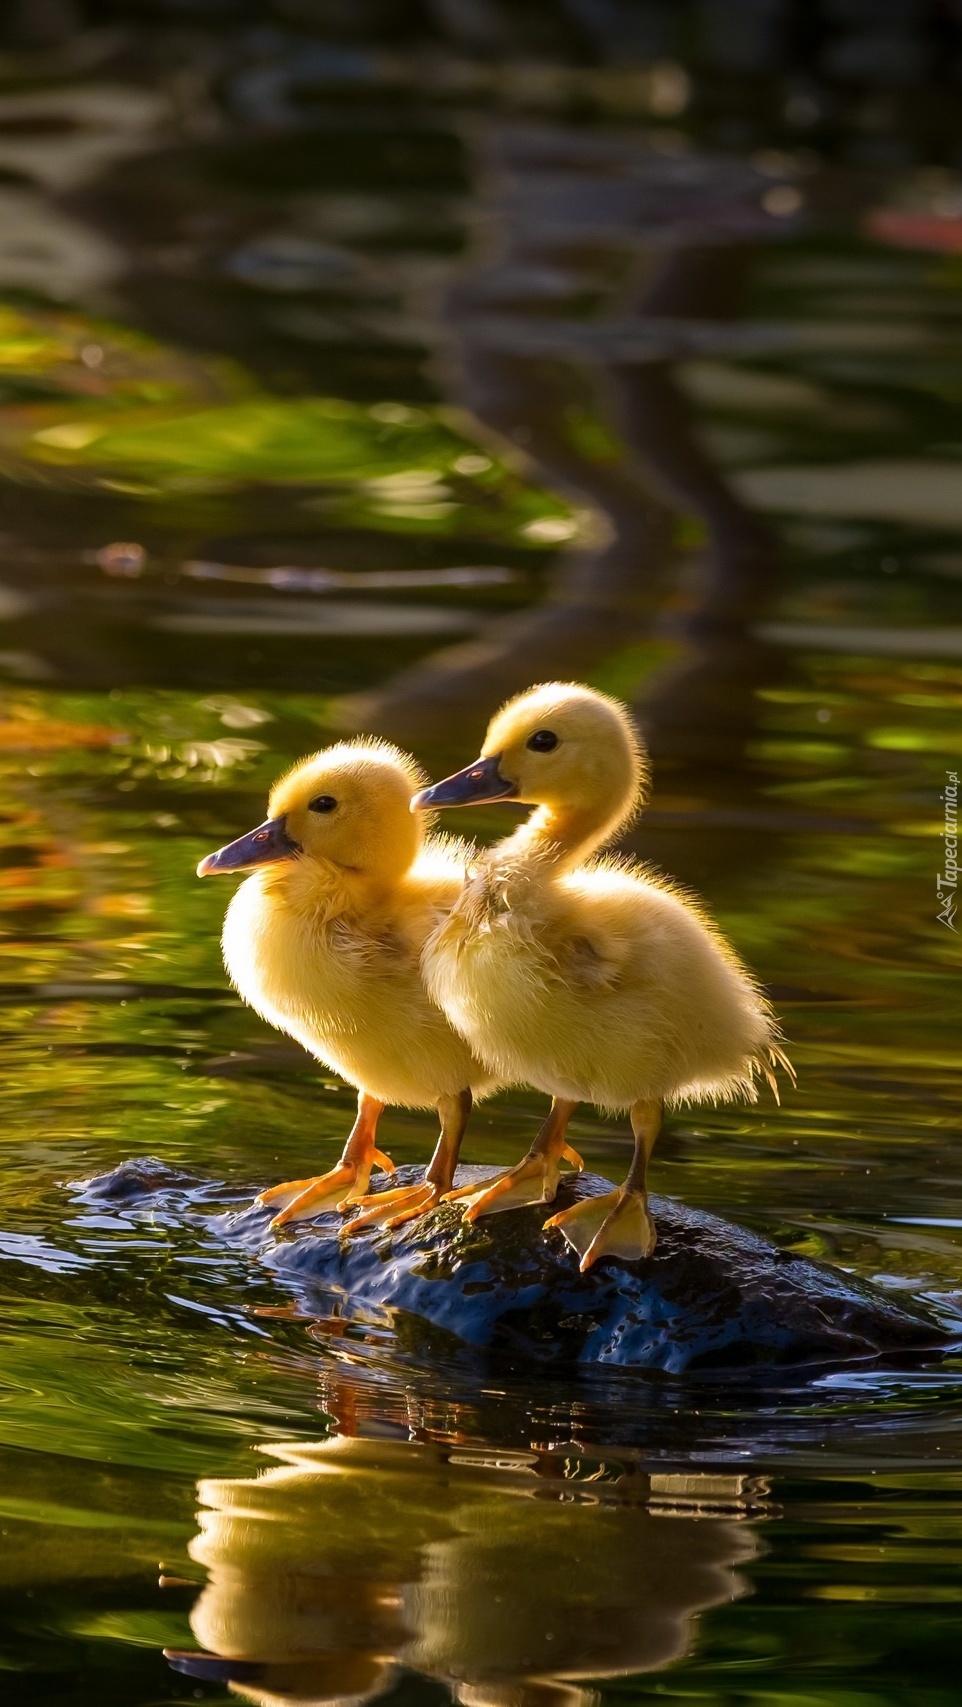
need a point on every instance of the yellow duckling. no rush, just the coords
(597, 982)
(324, 940)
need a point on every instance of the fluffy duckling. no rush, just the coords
(592, 979)
(324, 940)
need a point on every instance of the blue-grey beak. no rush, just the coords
(474, 786)
(263, 846)
(212, 1668)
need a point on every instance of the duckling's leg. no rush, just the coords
(393, 1208)
(349, 1180)
(534, 1180)
(617, 1224)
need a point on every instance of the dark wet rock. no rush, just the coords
(714, 1298)
(140, 1177)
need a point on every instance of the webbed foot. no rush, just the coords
(533, 1180)
(302, 1198)
(615, 1225)
(391, 1209)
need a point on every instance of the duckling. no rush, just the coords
(323, 940)
(592, 979)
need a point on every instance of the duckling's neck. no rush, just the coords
(323, 891)
(562, 836)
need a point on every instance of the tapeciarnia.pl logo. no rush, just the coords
(947, 882)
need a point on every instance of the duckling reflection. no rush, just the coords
(509, 1577)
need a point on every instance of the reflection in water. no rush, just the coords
(510, 1577)
(595, 402)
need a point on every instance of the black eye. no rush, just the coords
(322, 803)
(543, 741)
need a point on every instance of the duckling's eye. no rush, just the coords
(322, 803)
(543, 741)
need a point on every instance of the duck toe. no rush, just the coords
(390, 1209)
(534, 1180)
(618, 1224)
(302, 1199)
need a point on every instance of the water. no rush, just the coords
(352, 379)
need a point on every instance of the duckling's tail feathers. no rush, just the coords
(780, 1059)
(776, 1058)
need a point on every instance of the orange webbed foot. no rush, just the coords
(533, 1180)
(344, 1184)
(390, 1209)
(616, 1225)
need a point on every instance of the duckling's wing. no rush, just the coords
(587, 966)
(594, 938)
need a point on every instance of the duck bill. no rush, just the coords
(476, 785)
(212, 1668)
(266, 845)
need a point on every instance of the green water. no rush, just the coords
(409, 391)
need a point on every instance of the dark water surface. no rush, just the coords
(351, 380)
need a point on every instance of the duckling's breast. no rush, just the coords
(355, 999)
(489, 967)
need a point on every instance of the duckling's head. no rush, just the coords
(560, 745)
(348, 807)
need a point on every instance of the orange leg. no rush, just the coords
(302, 1198)
(393, 1208)
(534, 1180)
(617, 1224)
